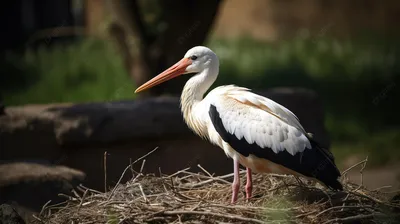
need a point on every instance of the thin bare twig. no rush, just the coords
(43, 207)
(383, 187)
(105, 171)
(142, 167)
(350, 168)
(144, 195)
(66, 196)
(252, 207)
(362, 174)
(344, 201)
(76, 194)
(204, 170)
(132, 171)
(83, 199)
(91, 190)
(218, 178)
(227, 216)
(353, 218)
(130, 165)
(177, 173)
(37, 218)
(341, 207)
(159, 171)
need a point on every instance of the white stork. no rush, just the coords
(253, 130)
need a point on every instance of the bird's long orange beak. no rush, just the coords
(172, 72)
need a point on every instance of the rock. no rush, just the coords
(68, 124)
(32, 185)
(20, 172)
(8, 215)
(79, 135)
(396, 200)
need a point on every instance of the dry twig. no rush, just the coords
(186, 197)
(130, 165)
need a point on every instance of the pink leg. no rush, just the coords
(249, 184)
(236, 181)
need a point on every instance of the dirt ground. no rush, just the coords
(378, 177)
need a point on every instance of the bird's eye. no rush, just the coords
(194, 57)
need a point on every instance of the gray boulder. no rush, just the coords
(8, 215)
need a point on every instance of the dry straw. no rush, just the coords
(187, 197)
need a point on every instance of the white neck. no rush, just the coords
(194, 91)
(197, 86)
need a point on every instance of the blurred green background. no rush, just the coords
(349, 76)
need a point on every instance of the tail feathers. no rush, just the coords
(329, 179)
(325, 169)
(336, 185)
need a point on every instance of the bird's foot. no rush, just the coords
(234, 200)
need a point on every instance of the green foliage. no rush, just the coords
(87, 71)
(112, 217)
(281, 213)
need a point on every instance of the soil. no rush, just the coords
(378, 177)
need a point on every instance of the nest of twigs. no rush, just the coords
(187, 197)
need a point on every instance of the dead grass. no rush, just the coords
(187, 197)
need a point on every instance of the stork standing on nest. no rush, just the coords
(253, 130)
